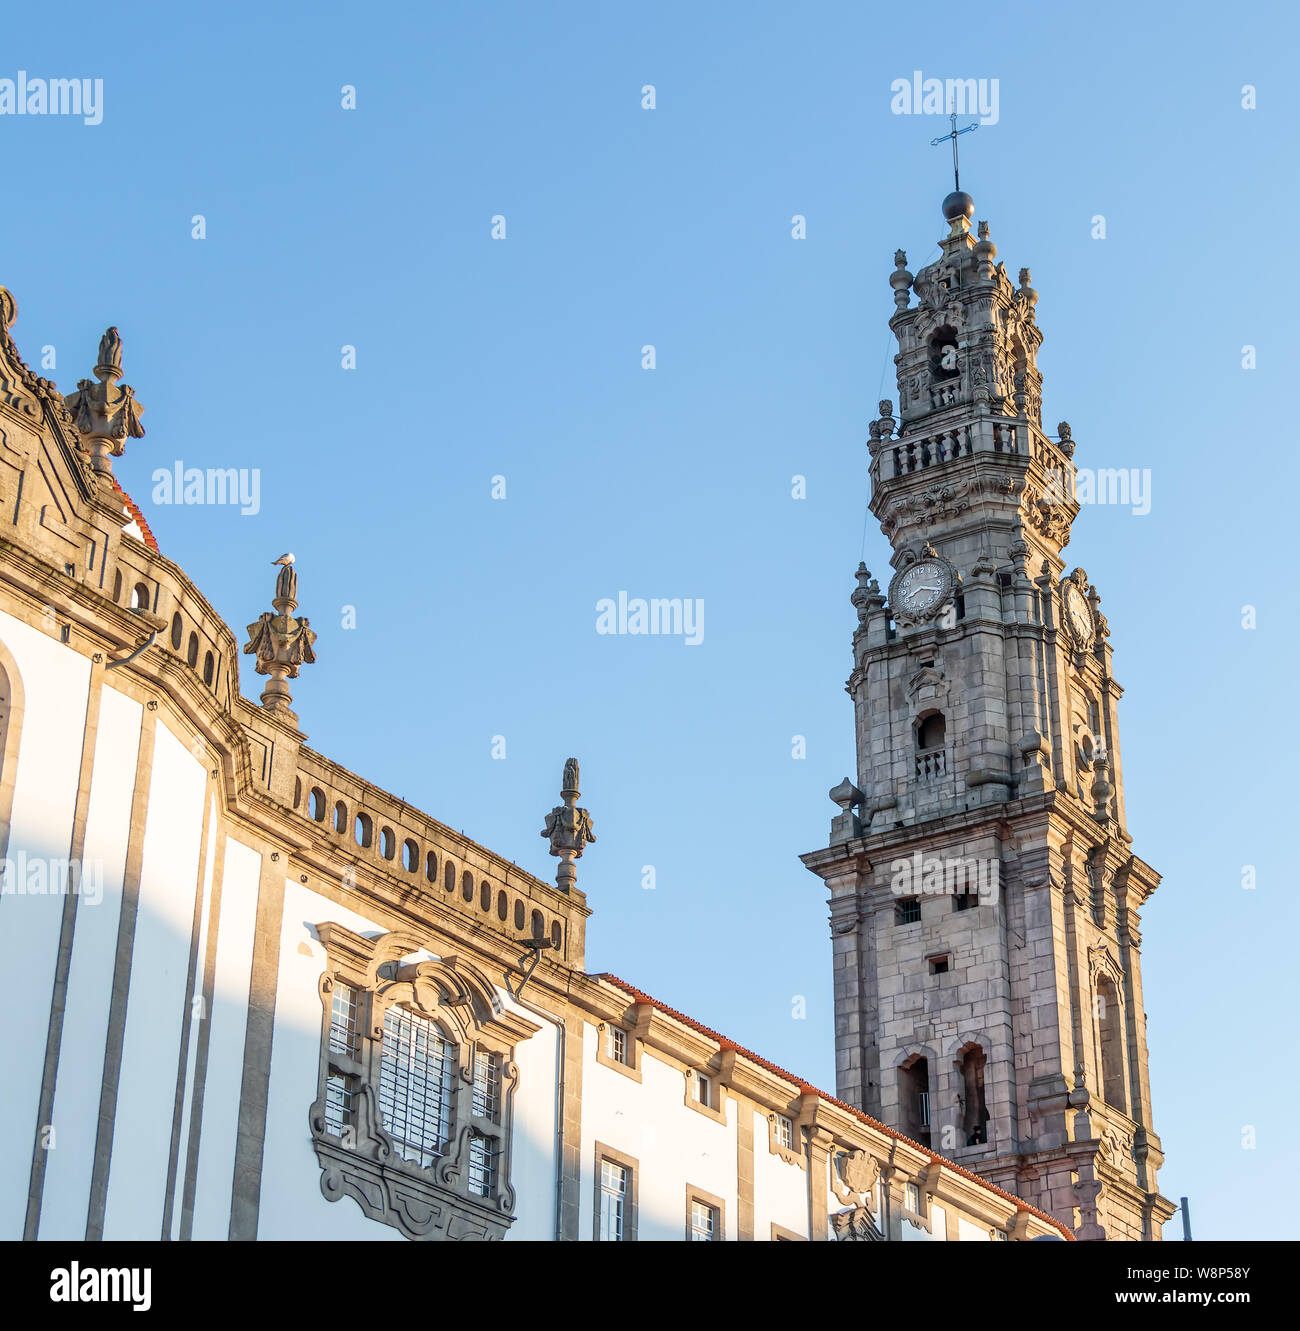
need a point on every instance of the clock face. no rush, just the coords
(1079, 613)
(922, 586)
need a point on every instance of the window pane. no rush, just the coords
(703, 1222)
(487, 1085)
(340, 1094)
(613, 1189)
(343, 1020)
(415, 1086)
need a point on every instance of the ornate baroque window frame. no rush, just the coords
(365, 1164)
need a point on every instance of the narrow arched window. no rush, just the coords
(944, 361)
(539, 925)
(431, 866)
(975, 1114)
(178, 631)
(192, 651)
(317, 804)
(209, 668)
(449, 876)
(556, 935)
(364, 830)
(914, 1099)
(467, 885)
(387, 842)
(930, 732)
(1110, 1031)
(519, 914)
(141, 597)
(485, 895)
(503, 906)
(410, 856)
(341, 818)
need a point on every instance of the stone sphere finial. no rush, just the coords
(958, 204)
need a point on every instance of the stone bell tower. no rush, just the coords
(984, 890)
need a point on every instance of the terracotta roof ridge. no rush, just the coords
(146, 532)
(807, 1088)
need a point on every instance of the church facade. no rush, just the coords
(266, 999)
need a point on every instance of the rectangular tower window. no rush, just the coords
(785, 1132)
(907, 910)
(939, 965)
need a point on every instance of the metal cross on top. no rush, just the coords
(952, 134)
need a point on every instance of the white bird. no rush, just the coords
(284, 559)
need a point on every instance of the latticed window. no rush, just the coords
(704, 1222)
(617, 1044)
(487, 1085)
(415, 1086)
(482, 1164)
(613, 1199)
(912, 1198)
(340, 1103)
(785, 1132)
(907, 910)
(343, 1021)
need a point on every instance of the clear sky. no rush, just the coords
(476, 357)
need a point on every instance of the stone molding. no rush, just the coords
(365, 1164)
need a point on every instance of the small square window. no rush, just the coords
(939, 965)
(907, 910)
(704, 1222)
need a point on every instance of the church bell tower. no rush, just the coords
(984, 893)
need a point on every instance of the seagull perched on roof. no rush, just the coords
(284, 559)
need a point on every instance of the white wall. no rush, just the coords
(222, 1086)
(780, 1189)
(55, 683)
(155, 1009)
(292, 1205)
(65, 1201)
(196, 1015)
(673, 1144)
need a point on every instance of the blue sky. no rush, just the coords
(521, 357)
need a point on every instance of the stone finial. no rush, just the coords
(882, 430)
(106, 413)
(1027, 296)
(901, 280)
(568, 829)
(1065, 440)
(280, 642)
(985, 252)
(867, 595)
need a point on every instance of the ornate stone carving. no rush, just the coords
(856, 1225)
(106, 414)
(280, 642)
(362, 1161)
(568, 828)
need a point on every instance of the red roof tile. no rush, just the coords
(146, 532)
